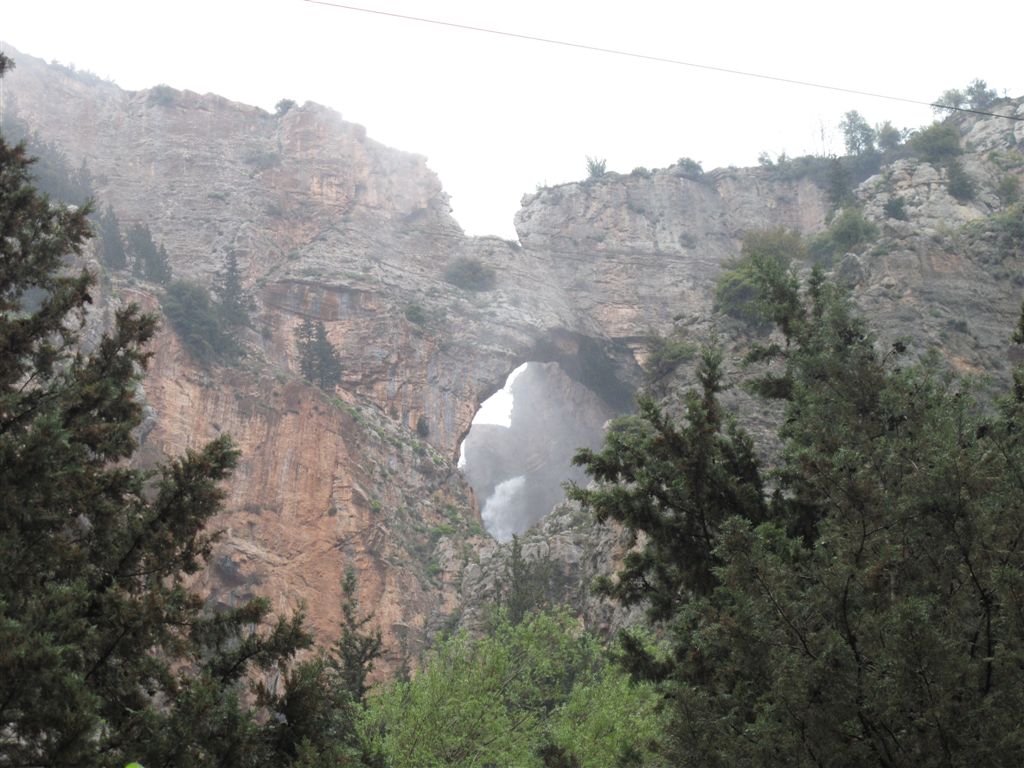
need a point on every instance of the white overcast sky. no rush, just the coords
(495, 117)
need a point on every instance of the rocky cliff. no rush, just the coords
(331, 226)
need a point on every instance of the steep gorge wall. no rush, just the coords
(330, 225)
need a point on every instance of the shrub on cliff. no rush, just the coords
(960, 185)
(936, 143)
(149, 261)
(858, 135)
(595, 167)
(737, 292)
(666, 353)
(112, 250)
(162, 96)
(470, 274)
(849, 231)
(198, 323)
(977, 95)
(689, 168)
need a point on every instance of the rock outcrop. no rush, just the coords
(331, 226)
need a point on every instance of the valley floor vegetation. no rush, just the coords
(861, 603)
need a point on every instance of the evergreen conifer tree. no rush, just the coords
(319, 361)
(111, 243)
(235, 304)
(106, 657)
(866, 611)
(149, 261)
(196, 320)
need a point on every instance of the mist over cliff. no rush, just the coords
(329, 227)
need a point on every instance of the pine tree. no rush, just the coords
(678, 485)
(112, 245)
(326, 695)
(234, 303)
(149, 261)
(198, 323)
(867, 610)
(105, 656)
(319, 361)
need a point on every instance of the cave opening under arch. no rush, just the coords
(519, 449)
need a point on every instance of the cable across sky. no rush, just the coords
(656, 59)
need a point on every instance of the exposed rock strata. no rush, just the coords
(333, 226)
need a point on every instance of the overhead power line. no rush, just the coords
(658, 59)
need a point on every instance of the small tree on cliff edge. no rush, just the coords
(234, 302)
(319, 361)
(105, 656)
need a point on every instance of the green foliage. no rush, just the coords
(840, 184)
(666, 353)
(283, 107)
(234, 304)
(849, 231)
(316, 720)
(595, 167)
(470, 274)
(980, 96)
(867, 611)
(950, 100)
(689, 168)
(162, 96)
(960, 185)
(196, 320)
(678, 484)
(529, 586)
(539, 687)
(737, 292)
(423, 427)
(889, 136)
(319, 361)
(895, 208)
(936, 143)
(112, 251)
(836, 175)
(1003, 232)
(641, 172)
(977, 95)
(417, 314)
(1008, 189)
(107, 656)
(149, 261)
(609, 722)
(858, 135)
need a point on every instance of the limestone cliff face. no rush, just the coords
(329, 225)
(939, 275)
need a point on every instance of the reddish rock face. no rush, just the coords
(331, 226)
